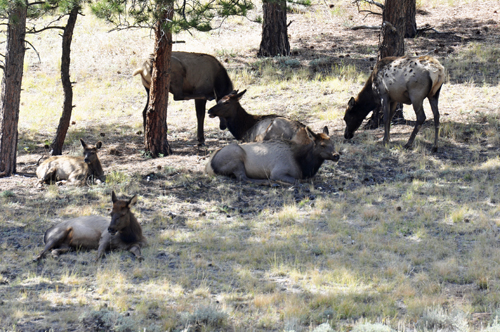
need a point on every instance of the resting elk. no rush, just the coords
(253, 128)
(193, 76)
(75, 170)
(95, 232)
(407, 80)
(277, 160)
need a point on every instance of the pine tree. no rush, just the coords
(164, 17)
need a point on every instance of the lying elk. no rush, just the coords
(94, 232)
(75, 170)
(278, 160)
(193, 76)
(253, 128)
(407, 80)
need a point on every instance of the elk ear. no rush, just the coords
(132, 201)
(310, 134)
(98, 145)
(325, 131)
(351, 102)
(113, 197)
(239, 95)
(83, 143)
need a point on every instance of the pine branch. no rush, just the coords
(34, 49)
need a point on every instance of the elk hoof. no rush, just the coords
(408, 147)
(434, 149)
(200, 144)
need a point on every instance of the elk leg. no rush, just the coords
(136, 250)
(283, 176)
(61, 250)
(419, 112)
(434, 106)
(55, 240)
(200, 115)
(387, 119)
(50, 176)
(145, 111)
(104, 244)
(77, 178)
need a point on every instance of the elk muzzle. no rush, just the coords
(111, 230)
(348, 134)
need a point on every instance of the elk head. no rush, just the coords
(120, 214)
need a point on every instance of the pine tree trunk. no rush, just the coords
(11, 88)
(274, 29)
(58, 142)
(155, 135)
(411, 23)
(392, 32)
(393, 29)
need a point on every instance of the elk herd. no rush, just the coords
(272, 148)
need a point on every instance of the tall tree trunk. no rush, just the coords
(411, 23)
(274, 29)
(11, 88)
(393, 29)
(392, 34)
(58, 142)
(155, 135)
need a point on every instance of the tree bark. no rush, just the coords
(155, 135)
(392, 34)
(274, 29)
(64, 121)
(393, 29)
(11, 88)
(411, 23)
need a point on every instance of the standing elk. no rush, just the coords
(253, 128)
(277, 160)
(407, 80)
(193, 76)
(75, 170)
(95, 232)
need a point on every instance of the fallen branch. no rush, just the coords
(370, 27)
(427, 28)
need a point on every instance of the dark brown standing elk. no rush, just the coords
(74, 170)
(277, 160)
(253, 128)
(407, 80)
(193, 76)
(95, 232)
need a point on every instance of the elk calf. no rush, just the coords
(124, 231)
(253, 128)
(75, 170)
(407, 80)
(278, 160)
(95, 232)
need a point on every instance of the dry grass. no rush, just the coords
(387, 239)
